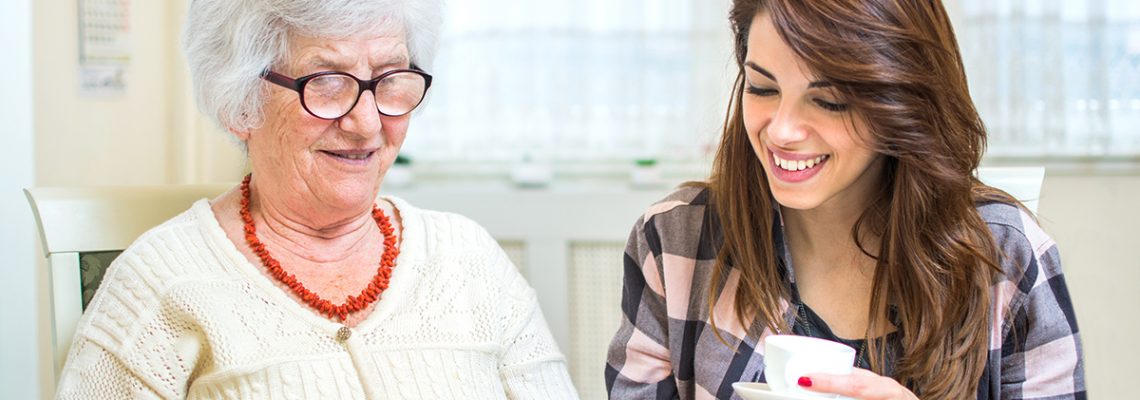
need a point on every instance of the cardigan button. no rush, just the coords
(343, 334)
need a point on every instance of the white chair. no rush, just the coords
(1023, 183)
(90, 226)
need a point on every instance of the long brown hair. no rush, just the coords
(896, 62)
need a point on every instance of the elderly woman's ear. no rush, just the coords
(244, 129)
(240, 134)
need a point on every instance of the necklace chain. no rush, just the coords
(352, 304)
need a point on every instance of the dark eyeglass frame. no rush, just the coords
(298, 85)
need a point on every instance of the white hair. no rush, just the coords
(228, 43)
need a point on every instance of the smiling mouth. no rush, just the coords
(798, 165)
(350, 155)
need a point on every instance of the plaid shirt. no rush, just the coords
(666, 349)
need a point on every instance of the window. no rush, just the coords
(596, 82)
(1055, 78)
(575, 80)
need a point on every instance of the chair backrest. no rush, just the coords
(1023, 183)
(83, 229)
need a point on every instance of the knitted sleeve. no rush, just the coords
(129, 342)
(123, 346)
(94, 373)
(531, 366)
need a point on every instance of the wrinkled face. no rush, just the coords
(803, 133)
(325, 165)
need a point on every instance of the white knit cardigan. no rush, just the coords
(183, 314)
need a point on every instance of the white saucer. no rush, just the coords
(760, 391)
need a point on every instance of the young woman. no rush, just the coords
(843, 205)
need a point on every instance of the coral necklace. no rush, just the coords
(354, 303)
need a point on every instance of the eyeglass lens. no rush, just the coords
(334, 95)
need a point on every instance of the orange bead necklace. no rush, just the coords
(354, 303)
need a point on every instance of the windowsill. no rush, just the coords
(615, 175)
(563, 174)
(1072, 165)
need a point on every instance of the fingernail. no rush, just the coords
(804, 381)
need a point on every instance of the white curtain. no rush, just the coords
(597, 81)
(1055, 78)
(575, 80)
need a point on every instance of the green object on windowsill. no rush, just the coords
(645, 162)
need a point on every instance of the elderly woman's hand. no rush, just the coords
(860, 384)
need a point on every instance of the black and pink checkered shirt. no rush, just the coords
(666, 349)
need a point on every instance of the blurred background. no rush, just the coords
(594, 106)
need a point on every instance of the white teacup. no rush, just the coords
(788, 357)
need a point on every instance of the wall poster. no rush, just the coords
(104, 46)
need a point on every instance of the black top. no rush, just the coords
(808, 323)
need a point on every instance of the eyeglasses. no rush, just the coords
(333, 94)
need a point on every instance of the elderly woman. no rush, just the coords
(302, 282)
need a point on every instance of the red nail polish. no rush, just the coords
(804, 381)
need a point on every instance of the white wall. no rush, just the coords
(18, 358)
(1093, 217)
(120, 139)
(151, 134)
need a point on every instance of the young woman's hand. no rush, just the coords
(861, 384)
